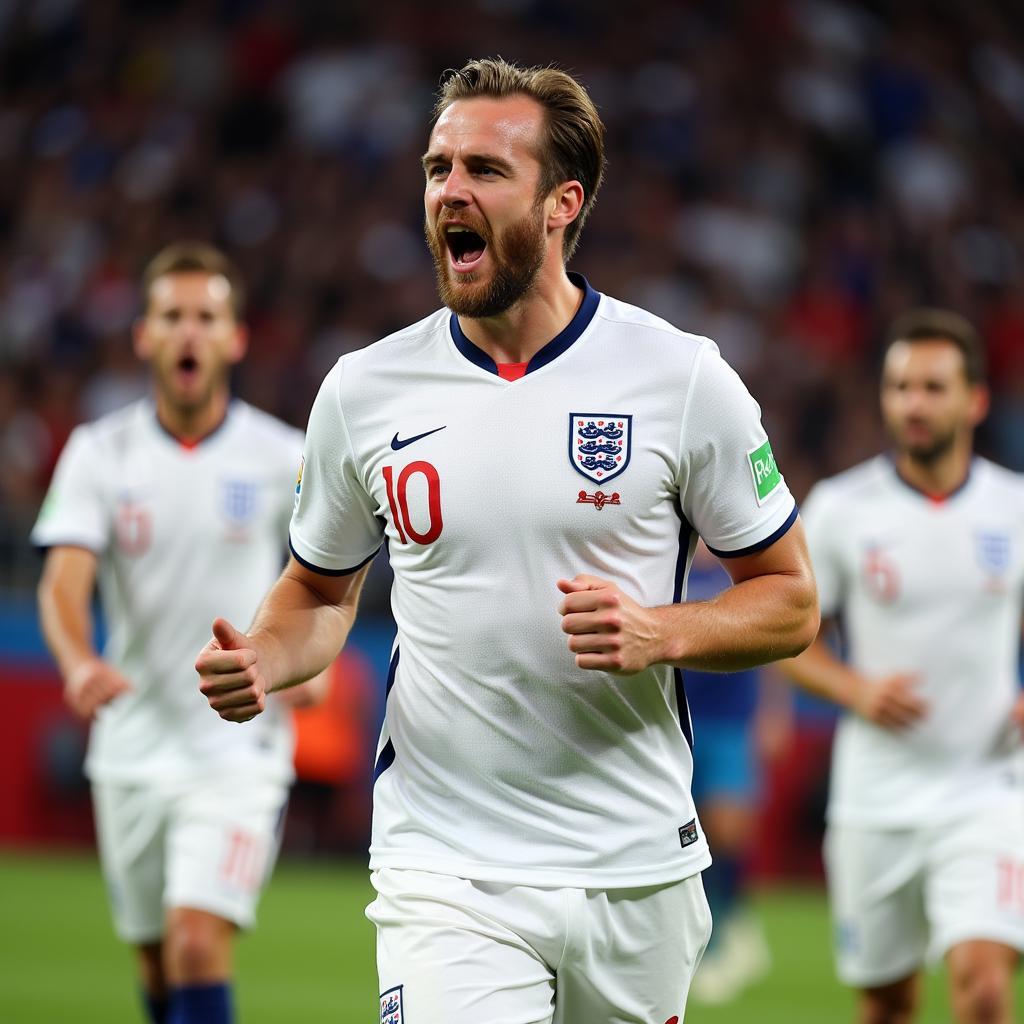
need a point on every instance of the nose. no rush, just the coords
(189, 328)
(189, 331)
(454, 192)
(917, 400)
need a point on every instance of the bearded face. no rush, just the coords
(481, 273)
(927, 402)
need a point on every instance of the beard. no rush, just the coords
(927, 453)
(187, 400)
(517, 261)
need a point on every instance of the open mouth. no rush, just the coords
(187, 367)
(465, 247)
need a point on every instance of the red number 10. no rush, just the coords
(400, 509)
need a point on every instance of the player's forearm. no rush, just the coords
(820, 672)
(756, 621)
(307, 694)
(66, 621)
(297, 633)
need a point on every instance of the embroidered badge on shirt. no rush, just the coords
(598, 499)
(688, 833)
(600, 444)
(994, 553)
(993, 550)
(391, 1006)
(239, 501)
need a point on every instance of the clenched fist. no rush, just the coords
(229, 676)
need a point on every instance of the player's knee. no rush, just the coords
(893, 1004)
(885, 1013)
(981, 994)
(196, 949)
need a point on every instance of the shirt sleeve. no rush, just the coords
(75, 511)
(822, 534)
(730, 489)
(291, 465)
(334, 527)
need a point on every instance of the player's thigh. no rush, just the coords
(131, 830)
(975, 887)
(453, 951)
(633, 953)
(876, 896)
(222, 843)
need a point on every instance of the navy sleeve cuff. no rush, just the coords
(330, 572)
(761, 544)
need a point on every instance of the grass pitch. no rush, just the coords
(310, 960)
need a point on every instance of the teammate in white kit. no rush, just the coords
(179, 507)
(922, 555)
(540, 459)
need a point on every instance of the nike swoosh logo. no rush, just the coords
(396, 444)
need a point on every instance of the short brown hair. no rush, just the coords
(573, 143)
(194, 258)
(927, 324)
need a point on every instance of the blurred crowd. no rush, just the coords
(785, 176)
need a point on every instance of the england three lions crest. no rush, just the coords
(391, 1006)
(600, 444)
(238, 501)
(993, 550)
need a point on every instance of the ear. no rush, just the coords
(566, 202)
(239, 344)
(980, 402)
(140, 340)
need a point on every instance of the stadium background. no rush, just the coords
(784, 176)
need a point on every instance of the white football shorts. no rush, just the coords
(210, 846)
(455, 951)
(901, 898)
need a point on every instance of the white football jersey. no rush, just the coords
(933, 588)
(183, 535)
(499, 759)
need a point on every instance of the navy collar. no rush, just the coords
(552, 350)
(937, 499)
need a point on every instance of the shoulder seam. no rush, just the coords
(341, 416)
(695, 365)
(670, 329)
(396, 337)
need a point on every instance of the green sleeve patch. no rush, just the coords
(49, 506)
(766, 473)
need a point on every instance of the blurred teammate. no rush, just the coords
(922, 554)
(730, 714)
(179, 507)
(535, 849)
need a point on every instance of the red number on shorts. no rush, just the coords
(1011, 885)
(400, 507)
(243, 862)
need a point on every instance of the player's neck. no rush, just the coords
(937, 478)
(522, 331)
(188, 425)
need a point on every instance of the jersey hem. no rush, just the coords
(245, 769)
(983, 932)
(925, 818)
(872, 979)
(621, 878)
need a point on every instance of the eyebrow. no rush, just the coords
(474, 159)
